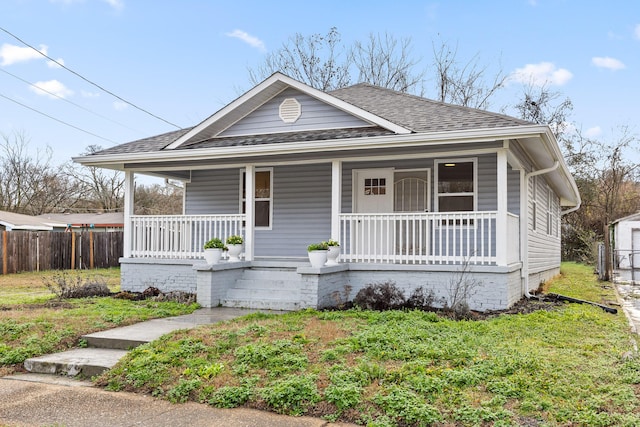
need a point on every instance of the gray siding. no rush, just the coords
(315, 115)
(544, 249)
(213, 192)
(301, 211)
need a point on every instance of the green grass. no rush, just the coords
(33, 322)
(569, 366)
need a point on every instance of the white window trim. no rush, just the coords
(259, 199)
(549, 213)
(436, 165)
(534, 203)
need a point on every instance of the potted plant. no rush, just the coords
(213, 250)
(317, 254)
(333, 252)
(234, 245)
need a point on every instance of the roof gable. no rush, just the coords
(255, 98)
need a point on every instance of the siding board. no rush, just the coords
(315, 115)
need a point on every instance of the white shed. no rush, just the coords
(626, 247)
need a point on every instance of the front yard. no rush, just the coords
(33, 322)
(563, 365)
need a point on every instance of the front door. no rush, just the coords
(374, 234)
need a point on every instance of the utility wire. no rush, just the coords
(66, 100)
(89, 81)
(57, 120)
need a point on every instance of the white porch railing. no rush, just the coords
(179, 236)
(424, 238)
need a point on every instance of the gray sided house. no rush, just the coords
(417, 192)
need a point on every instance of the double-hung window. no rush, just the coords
(456, 185)
(263, 181)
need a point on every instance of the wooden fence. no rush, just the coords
(49, 250)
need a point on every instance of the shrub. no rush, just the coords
(64, 286)
(292, 395)
(379, 296)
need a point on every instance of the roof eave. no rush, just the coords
(274, 79)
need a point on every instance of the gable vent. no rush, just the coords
(290, 110)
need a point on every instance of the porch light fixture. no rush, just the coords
(449, 164)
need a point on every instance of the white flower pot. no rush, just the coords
(212, 255)
(317, 258)
(234, 252)
(332, 255)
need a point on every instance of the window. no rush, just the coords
(549, 212)
(456, 185)
(263, 197)
(375, 186)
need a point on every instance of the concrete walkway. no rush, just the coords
(43, 397)
(106, 348)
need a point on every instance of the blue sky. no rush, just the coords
(182, 61)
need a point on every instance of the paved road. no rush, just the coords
(71, 404)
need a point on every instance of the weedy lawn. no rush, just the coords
(568, 365)
(33, 322)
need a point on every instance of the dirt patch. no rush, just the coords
(52, 304)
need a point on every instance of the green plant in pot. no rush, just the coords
(234, 244)
(317, 254)
(213, 249)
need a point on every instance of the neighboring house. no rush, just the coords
(625, 240)
(11, 221)
(113, 221)
(417, 192)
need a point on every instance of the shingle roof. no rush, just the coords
(409, 111)
(421, 114)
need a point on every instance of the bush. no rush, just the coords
(380, 296)
(64, 286)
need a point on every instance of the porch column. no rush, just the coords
(336, 198)
(129, 189)
(501, 218)
(250, 209)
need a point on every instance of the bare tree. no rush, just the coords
(541, 105)
(101, 190)
(387, 62)
(158, 199)
(320, 61)
(29, 183)
(466, 84)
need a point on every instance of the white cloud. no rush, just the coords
(120, 105)
(606, 62)
(593, 132)
(11, 54)
(87, 94)
(636, 32)
(52, 64)
(544, 73)
(51, 88)
(116, 4)
(248, 38)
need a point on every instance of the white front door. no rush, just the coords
(373, 194)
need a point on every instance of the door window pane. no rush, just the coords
(262, 182)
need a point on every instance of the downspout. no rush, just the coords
(524, 223)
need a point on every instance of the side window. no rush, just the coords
(263, 197)
(534, 202)
(456, 185)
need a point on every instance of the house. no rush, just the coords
(625, 240)
(11, 221)
(417, 192)
(111, 221)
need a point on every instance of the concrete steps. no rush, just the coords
(106, 348)
(266, 288)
